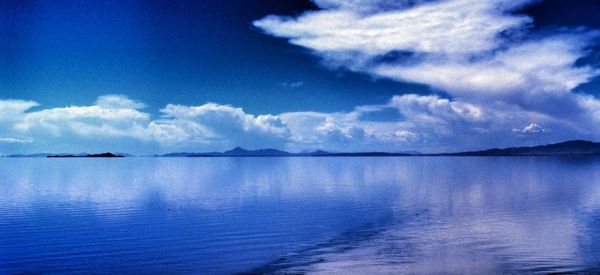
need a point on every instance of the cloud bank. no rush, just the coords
(426, 123)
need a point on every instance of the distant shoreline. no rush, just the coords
(103, 155)
(318, 156)
(572, 148)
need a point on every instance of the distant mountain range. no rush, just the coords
(235, 152)
(573, 147)
(241, 152)
(568, 148)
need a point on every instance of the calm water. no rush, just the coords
(356, 215)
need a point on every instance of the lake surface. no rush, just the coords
(304, 215)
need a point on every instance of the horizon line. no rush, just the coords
(283, 153)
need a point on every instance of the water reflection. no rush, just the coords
(205, 183)
(387, 215)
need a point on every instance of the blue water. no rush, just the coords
(300, 215)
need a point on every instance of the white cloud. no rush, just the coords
(216, 126)
(118, 102)
(69, 128)
(532, 128)
(10, 108)
(546, 65)
(405, 136)
(450, 27)
(463, 47)
(11, 112)
(92, 121)
(591, 105)
(435, 108)
(15, 140)
(427, 123)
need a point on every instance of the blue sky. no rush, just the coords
(151, 76)
(70, 52)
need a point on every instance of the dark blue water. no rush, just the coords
(305, 215)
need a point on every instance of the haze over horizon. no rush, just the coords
(370, 75)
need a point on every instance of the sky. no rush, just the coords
(147, 77)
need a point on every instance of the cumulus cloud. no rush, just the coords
(70, 127)
(214, 126)
(92, 121)
(217, 125)
(428, 123)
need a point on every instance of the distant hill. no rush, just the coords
(235, 152)
(573, 147)
(103, 155)
(356, 154)
(238, 151)
(188, 154)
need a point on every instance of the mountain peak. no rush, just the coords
(236, 150)
(239, 151)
